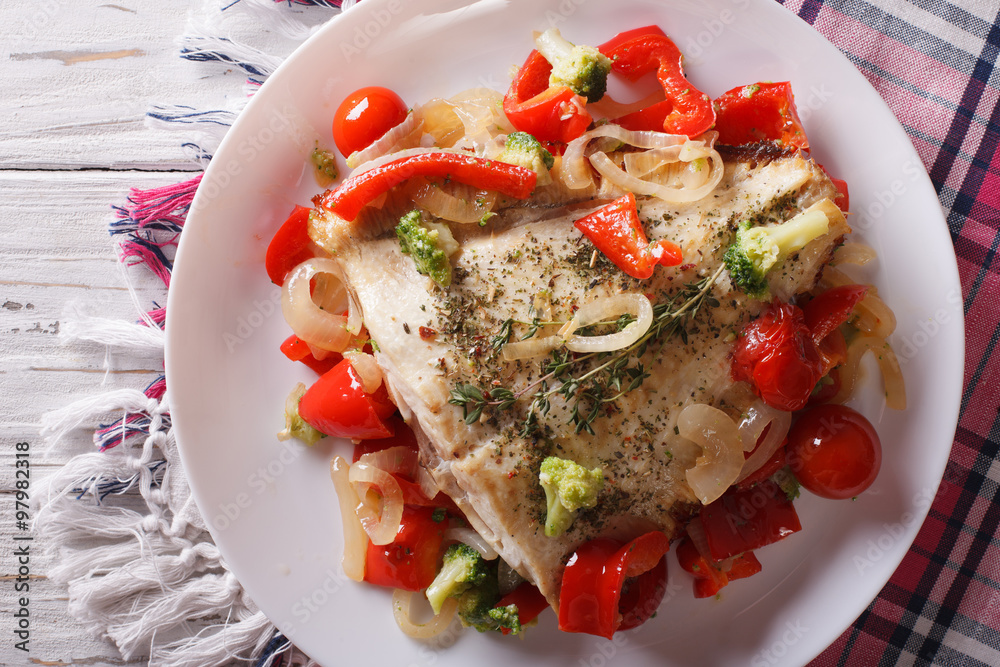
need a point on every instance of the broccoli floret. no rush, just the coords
(582, 68)
(477, 606)
(295, 425)
(524, 150)
(507, 618)
(325, 163)
(425, 246)
(568, 487)
(462, 569)
(475, 603)
(756, 250)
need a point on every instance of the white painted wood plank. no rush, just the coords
(76, 79)
(55, 248)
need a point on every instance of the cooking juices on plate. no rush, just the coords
(566, 333)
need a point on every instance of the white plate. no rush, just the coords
(272, 507)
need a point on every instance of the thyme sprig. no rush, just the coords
(589, 393)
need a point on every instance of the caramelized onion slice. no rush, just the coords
(472, 538)
(575, 171)
(531, 348)
(755, 420)
(396, 460)
(608, 310)
(854, 253)
(315, 326)
(355, 539)
(613, 173)
(874, 317)
(367, 368)
(892, 375)
(455, 202)
(722, 450)
(401, 604)
(387, 142)
(383, 525)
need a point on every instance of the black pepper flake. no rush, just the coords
(406, 327)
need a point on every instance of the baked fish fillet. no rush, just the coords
(431, 340)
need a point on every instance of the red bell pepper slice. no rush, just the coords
(629, 35)
(826, 388)
(686, 110)
(759, 112)
(591, 597)
(709, 579)
(776, 354)
(747, 519)
(549, 113)
(832, 351)
(616, 231)
(410, 561)
(297, 349)
(348, 198)
(289, 247)
(843, 197)
(829, 310)
(337, 404)
(529, 600)
(770, 466)
(403, 436)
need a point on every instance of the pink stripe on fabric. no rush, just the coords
(892, 613)
(866, 650)
(975, 231)
(891, 55)
(975, 601)
(980, 323)
(927, 151)
(989, 192)
(989, 611)
(989, 102)
(915, 111)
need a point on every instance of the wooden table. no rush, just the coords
(76, 79)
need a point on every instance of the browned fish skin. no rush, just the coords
(489, 468)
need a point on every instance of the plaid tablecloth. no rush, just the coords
(935, 63)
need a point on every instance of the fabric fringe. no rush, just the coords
(151, 223)
(80, 325)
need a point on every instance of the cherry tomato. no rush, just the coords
(776, 354)
(410, 561)
(834, 451)
(365, 116)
